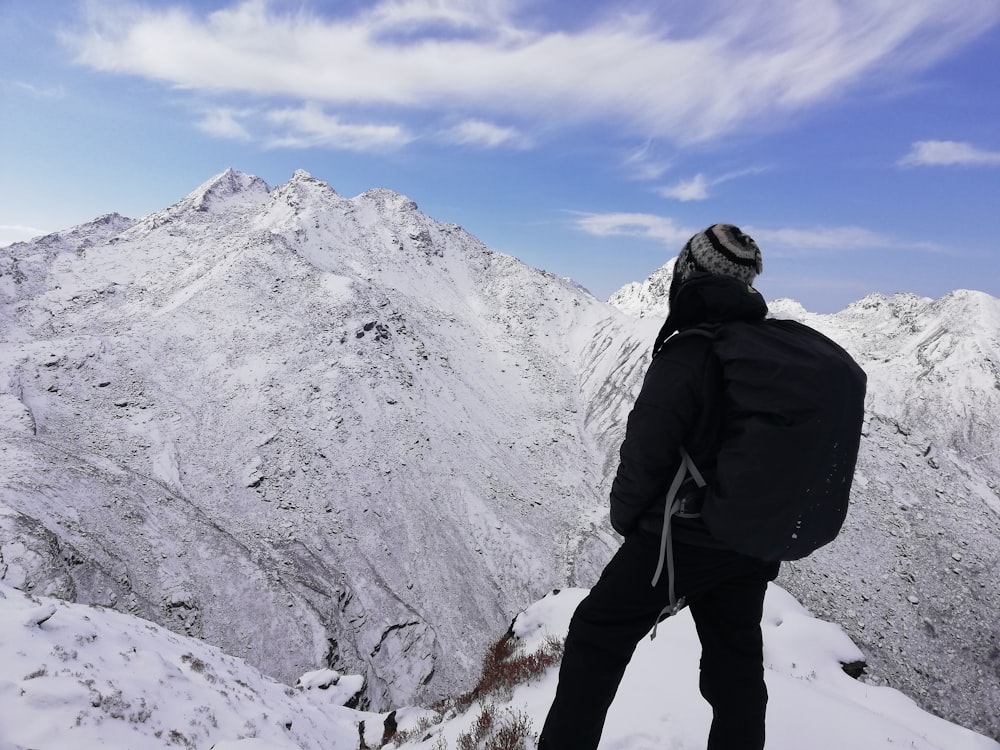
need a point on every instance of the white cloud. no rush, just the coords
(643, 226)
(778, 242)
(949, 153)
(224, 122)
(486, 135)
(40, 92)
(446, 17)
(309, 126)
(820, 238)
(695, 189)
(755, 62)
(645, 163)
(698, 187)
(669, 231)
(826, 240)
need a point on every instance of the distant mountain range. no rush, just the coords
(321, 431)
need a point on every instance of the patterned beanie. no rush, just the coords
(722, 249)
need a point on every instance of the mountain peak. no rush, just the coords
(217, 193)
(649, 299)
(978, 305)
(302, 177)
(386, 199)
(301, 184)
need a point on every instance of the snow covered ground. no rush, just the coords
(78, 676)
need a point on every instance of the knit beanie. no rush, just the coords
(721, 249)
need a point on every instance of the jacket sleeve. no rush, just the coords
(663, 415)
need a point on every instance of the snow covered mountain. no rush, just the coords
(327, 432)
(308, 429)
(647, 299)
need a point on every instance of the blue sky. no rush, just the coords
(858, 141)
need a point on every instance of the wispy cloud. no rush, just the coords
(485, 135)
(306, 126)
(39, 92)
(698, 188)
(833, 240)
(949, 153)
(643, 226)
(225, 122)
(820, 238)
(775, 242)
(309, 126)
(646, 163)
(693, 189)
(758, 60)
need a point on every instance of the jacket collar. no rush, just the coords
(710, 298)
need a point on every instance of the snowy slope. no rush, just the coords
(78, 676)
(83, 677)
(921, 549)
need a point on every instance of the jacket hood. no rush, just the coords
(710, 298)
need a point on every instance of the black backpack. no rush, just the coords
(793, 411)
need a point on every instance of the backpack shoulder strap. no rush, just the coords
(707, 330)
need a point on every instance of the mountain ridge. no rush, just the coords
(298, 314)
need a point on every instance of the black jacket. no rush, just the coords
(681, 404)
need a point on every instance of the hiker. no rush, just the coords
(677, 424)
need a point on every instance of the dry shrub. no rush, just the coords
(489, 733)
(470, 739)
(511, 733)
(504, 668)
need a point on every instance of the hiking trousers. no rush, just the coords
(725, 591)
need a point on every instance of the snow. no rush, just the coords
(813, 703)
(79, 676)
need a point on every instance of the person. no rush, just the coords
(679, 406)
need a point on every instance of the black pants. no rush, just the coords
(725, 592)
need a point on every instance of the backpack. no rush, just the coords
(792, 416)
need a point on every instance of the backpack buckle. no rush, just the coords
(690, 499)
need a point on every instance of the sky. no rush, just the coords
(858, 141)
